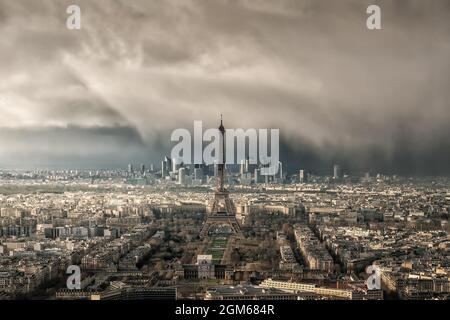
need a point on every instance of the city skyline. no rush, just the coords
(369, 100)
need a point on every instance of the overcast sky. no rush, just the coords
(112, 92)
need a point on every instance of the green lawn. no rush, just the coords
(217, 249)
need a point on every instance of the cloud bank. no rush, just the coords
(112, 92)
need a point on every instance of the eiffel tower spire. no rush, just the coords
(221, 165)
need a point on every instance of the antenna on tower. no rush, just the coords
(221, 128)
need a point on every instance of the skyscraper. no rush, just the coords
(182, 176)
(242, 168)
(163, 169)
(166, 165)
(336, 171)
(175, 164)
(301, 176)
(257, 175)
(280, 171)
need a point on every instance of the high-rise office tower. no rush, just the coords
(257, 175)
(336, 171)
(247, 165)
(169, 162)
(182, 176)
(175, 164)
(130, 168)
(280, 171)
(242, 168)
(142, 168)
(166, 165)
(301, 176)
(163, 169)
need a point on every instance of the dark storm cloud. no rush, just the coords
(370, 100)
(73, 146)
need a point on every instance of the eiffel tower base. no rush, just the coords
(221, 219)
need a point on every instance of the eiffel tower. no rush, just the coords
(223, 211)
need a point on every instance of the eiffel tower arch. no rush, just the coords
(223, 212)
